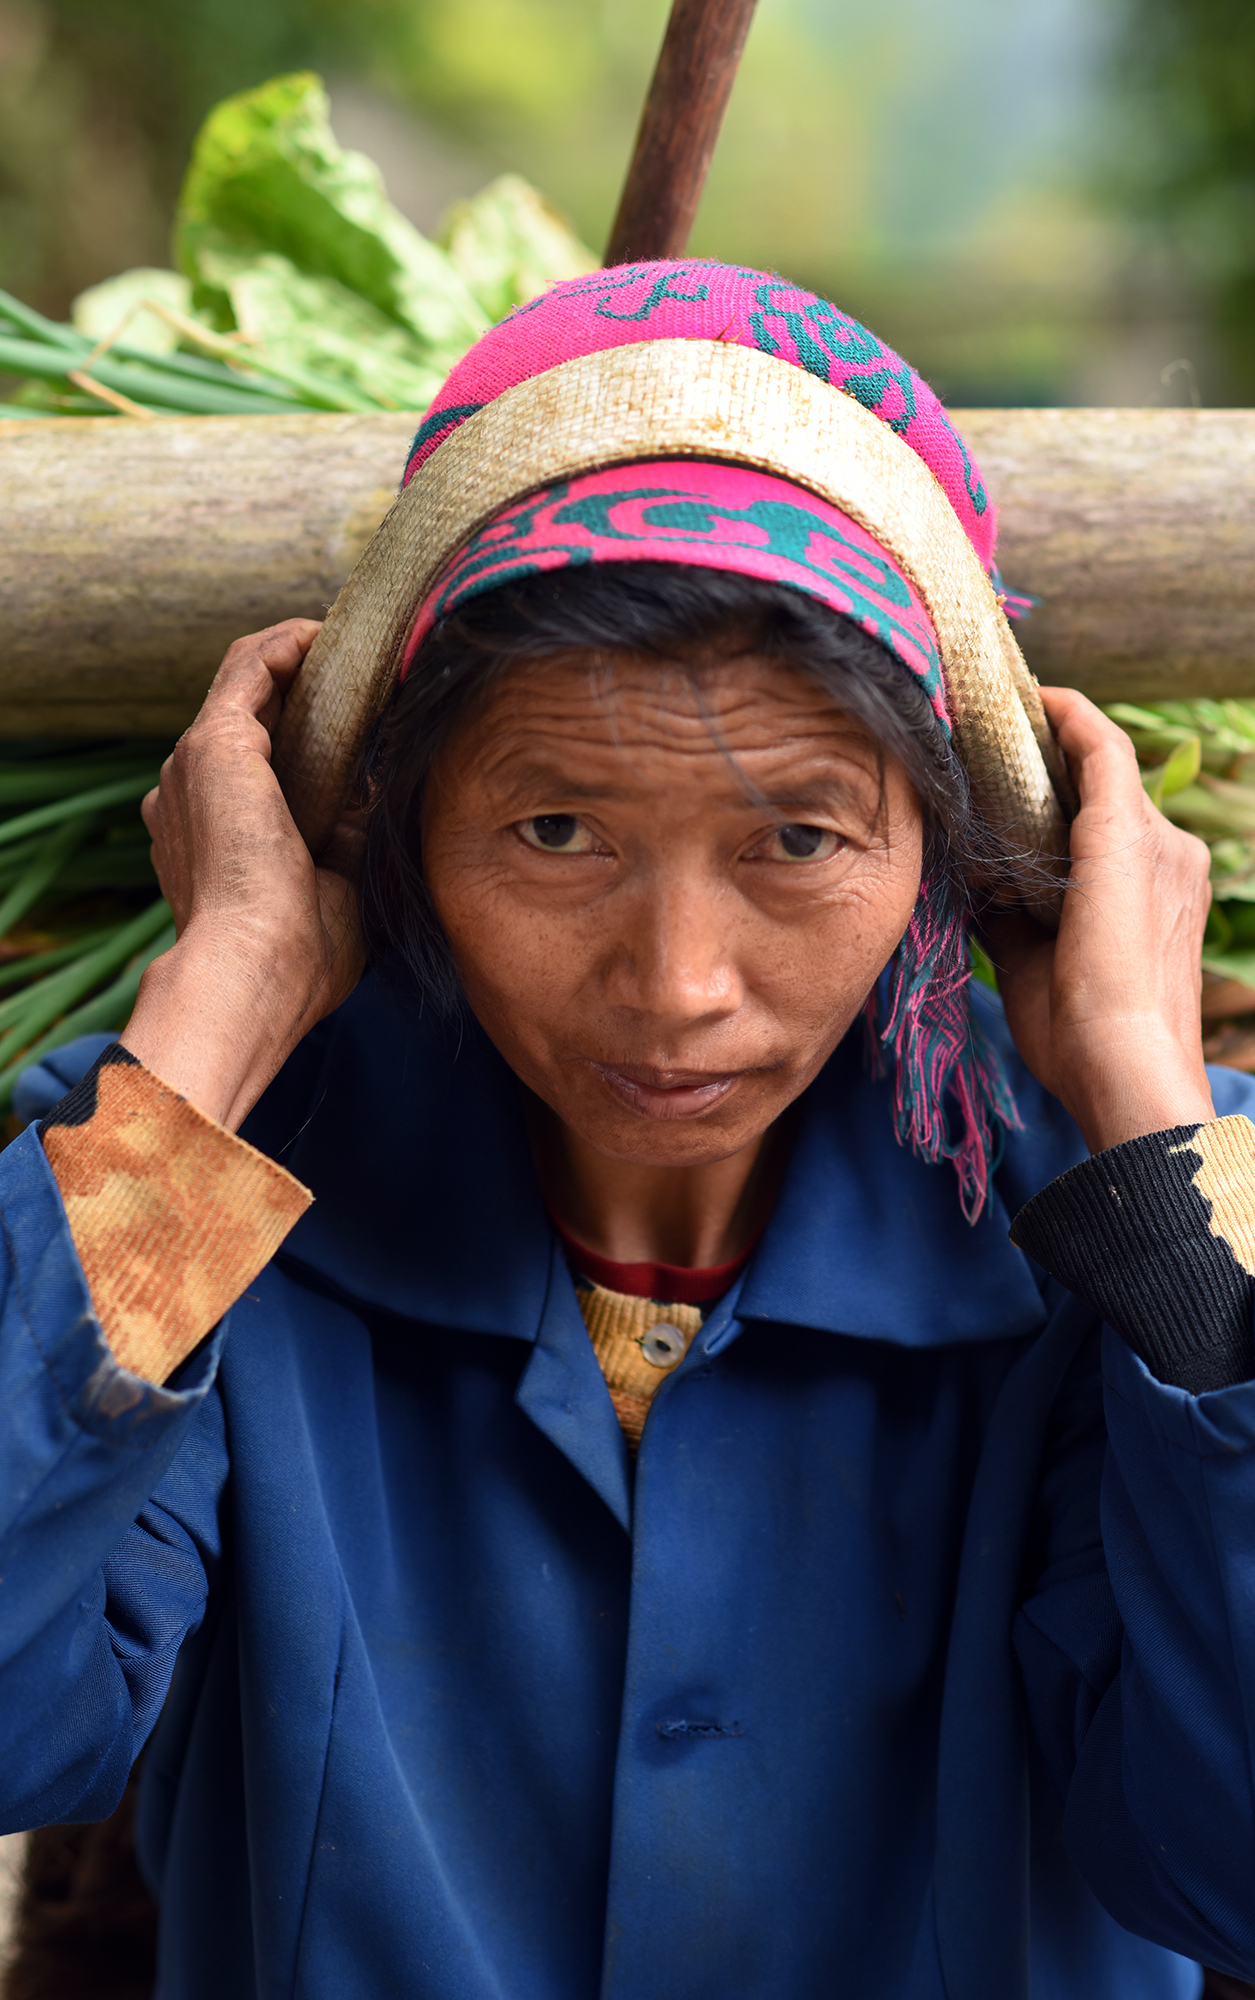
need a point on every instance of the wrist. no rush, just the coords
(1121, 1094)
(211, 1029)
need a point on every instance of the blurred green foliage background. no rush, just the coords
(1038, 201)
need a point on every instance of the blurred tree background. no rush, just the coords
(1039, 201)
(1188, 178)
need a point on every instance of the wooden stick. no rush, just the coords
(687, 98)
(132, 554)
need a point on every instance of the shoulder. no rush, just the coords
(1232, 1091)
(346, 1075)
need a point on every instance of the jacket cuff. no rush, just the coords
(171, 1215)
(1159, 1236)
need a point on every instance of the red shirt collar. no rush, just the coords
(670, 1284)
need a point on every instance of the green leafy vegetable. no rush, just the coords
(1198, 765)
(1180, 769)
(300, 287)
(508, 243)
(135, 304)
(315, 331)
(268, 177)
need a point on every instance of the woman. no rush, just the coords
(646, 1530)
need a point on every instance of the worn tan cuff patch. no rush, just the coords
(1226, 1179)
(171, 1215)
(632, 1339)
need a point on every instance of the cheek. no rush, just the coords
(510, 952)
(824, 972)
(826, 962)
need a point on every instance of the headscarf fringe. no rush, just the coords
(951, 1097)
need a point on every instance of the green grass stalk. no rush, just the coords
(42, 870)
(109, 1009)
(94, 800)
(26, 784)
(148, 384)
(30, 966)
(29, 1012)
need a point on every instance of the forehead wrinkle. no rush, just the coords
(555, 781)
(677, 692)
(760, 722)
(662, 709)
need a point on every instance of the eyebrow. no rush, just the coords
(557, 781)
(786, 799)
(819, 793)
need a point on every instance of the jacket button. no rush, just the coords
(663, 1345)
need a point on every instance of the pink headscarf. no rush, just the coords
(696, 300)
(720, 516)
(951, 1099)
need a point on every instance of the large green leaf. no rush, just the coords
(121, 302)
(508, 243)
(267, 176)
(1216, 808)
(1178, 771)
(317, 327)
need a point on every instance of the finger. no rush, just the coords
(257, 672)
(283, 648)
(1101, 755)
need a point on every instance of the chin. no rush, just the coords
(645, 1142)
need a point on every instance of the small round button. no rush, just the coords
(663, 1345)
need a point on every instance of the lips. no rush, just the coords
(666, 1094)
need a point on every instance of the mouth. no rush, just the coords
(666, 1093)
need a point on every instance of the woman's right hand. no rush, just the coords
(267, 942)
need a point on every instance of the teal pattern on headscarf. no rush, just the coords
(777, 532)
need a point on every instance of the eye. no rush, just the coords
(801, 843)
(557, 833)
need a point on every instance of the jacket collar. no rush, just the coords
(411, 1136)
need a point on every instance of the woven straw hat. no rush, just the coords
(712, 400)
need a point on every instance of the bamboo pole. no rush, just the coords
(132, 554)
(1136, 529)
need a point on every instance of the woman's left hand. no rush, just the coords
(1107, 1014)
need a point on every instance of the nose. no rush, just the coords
(673, 955)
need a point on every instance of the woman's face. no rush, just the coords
(668, 896)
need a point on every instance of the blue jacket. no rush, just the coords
(914, 1661)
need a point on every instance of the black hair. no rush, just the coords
(674, 613)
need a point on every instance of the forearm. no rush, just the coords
(214, 1026)
(85, 1447)
(1136, 1645)
(1135, 1642)
(170, 1215)
(1136, 1081)
(1158, 1234)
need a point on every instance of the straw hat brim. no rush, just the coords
(681, 398)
